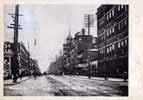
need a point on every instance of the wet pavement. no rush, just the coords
(51, 85)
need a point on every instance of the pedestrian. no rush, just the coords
(34, 74)
(20, 76)
(15, 78)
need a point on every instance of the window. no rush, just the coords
(112, 29)
(107, 17)
(110, 15)
(119, 8)
(113, 47)
(119, 27)
(125, 22)
(125, 7)
(122, 43)
(113, 12)
(102, 51)
(107, 50)
(107, 33)
(125, 41)
(118, 44)
(122, 6)
(110, 48)
(122, 24)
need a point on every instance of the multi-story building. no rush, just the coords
(112, 32)
(24, 59)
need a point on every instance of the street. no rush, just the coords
(51, 85)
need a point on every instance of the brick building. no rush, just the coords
(112, 32)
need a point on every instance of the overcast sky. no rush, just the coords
(49, 24)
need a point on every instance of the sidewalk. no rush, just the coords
(10, 81)
(98, 78)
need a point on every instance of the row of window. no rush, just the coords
(120, 7)
(110, 31)
(122, 43)
(122, 24)
(111, 48)
(111, 13)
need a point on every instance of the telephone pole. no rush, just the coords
(29, 65)
(16, 27)
(88, 22)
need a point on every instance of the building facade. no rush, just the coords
(24, 59)
(112, 32)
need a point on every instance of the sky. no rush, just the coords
(49, 25)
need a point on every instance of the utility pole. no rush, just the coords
(35, 73)
(105, 67)
(89, 22)
(16, 27)
(29, 67)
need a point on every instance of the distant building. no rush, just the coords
(112, 31)
(57, 67)
(24, 59)
(76, 51)
(32, 65)
(82, 43)
(67, 54)
(36, 67)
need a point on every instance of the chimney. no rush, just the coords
(83, 31)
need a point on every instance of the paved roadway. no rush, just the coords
(51, 85)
